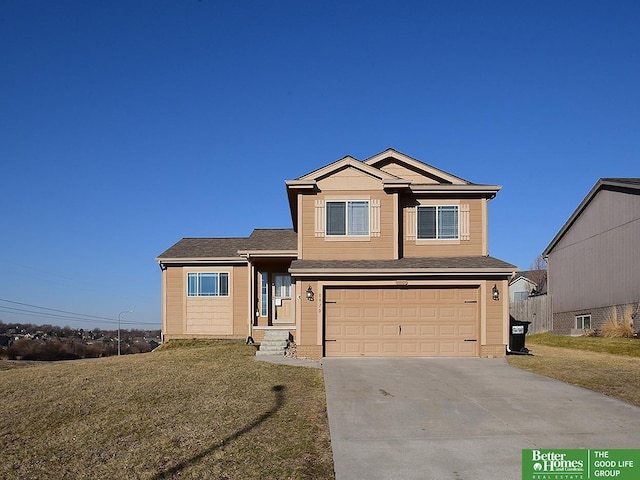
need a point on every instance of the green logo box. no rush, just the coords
(572, 464)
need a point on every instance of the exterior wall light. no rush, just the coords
(495, 293)
(310, 294)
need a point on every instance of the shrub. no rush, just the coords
(619, 324)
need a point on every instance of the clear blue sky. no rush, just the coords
(127, 125)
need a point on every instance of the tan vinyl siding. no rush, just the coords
(369, 248)
(349, 179)
(240, 302)
(307, 335)
(444, 248)
(495, 320)
(407, 174)
(174, 301)
(209, 317)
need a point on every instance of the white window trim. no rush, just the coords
(346, 236)
(582, 318)
(440, 241)
(218, 273)
(411, 223)
(283, 287)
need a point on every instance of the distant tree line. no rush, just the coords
(50, 343)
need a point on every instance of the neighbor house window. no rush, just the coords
(209, 284)
(438, 222)
(348, 217)
(518, 296)
(583, 322)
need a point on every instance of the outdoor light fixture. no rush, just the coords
(310, 294)
(495, 293)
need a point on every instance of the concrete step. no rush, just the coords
(274, 342)
(279, 353)
(272, 348)
(279, 343)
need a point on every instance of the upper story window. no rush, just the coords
(347, 218)
(438, 222)
(207, 284)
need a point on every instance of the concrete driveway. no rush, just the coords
(451, 418)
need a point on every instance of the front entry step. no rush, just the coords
(274, 343)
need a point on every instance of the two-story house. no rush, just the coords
(387, 257)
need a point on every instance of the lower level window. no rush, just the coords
(208, 284)
(583, 322)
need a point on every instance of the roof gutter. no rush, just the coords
(385, 272)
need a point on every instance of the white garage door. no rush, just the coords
(409, 322)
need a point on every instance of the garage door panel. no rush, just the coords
(353, 331)
(410, 331)
(389, 330)
(390, 312)
(428, 330)
(466, 330)
(468, 348)
(402, 322)
(447, 330)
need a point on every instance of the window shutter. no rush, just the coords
(464, 222)
(319, 218)
(410, 223)
(375, 218)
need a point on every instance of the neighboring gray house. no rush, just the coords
(594, 260)
(526, 284)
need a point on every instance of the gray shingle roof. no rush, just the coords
(629, 181)
(226, 247)
(436, 263)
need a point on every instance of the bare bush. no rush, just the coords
(619, 323)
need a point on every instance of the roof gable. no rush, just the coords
(629, 186)
(340, 165)
(412, 170)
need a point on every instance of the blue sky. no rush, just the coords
(127, 125)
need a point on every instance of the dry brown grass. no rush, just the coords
(205, 410)
(613, 375)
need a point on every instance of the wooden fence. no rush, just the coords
(536, 310)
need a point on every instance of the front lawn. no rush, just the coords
(607, 365)
(203, 410)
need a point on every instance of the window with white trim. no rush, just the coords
(207, 284)
(347, 218)
(437, 222)
(283, 286)
(264, 294)
(583, 322)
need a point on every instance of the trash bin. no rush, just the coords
(517, 331)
